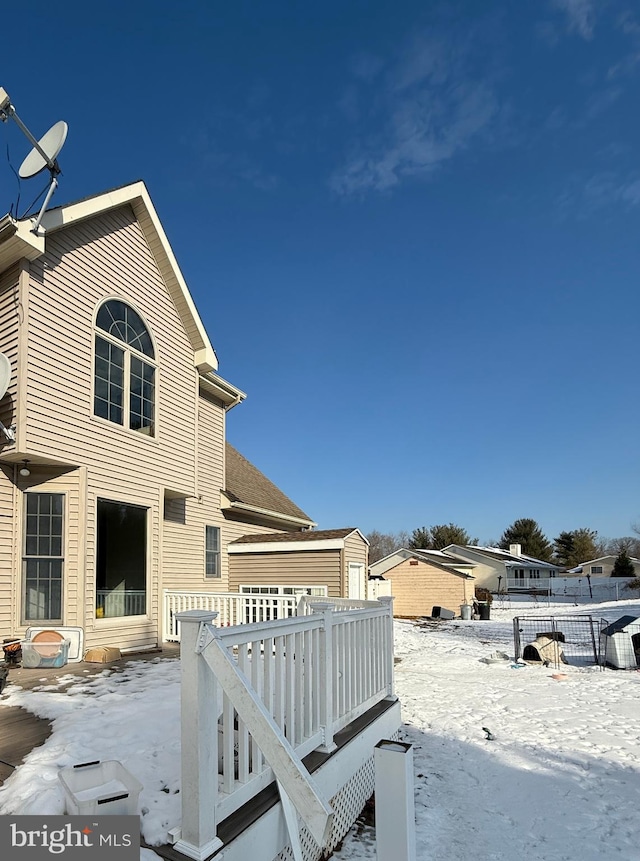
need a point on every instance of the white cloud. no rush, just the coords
(428, 108)
(599, 192)
(581, 16)
(630, 193)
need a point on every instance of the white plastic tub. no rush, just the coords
(45, 653)
(104, 788)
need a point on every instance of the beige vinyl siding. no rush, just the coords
(418, 588)
(183, 544)
(9, 316)
(7, 581)
(298, 568)
(85, 264)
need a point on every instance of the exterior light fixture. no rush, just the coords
(24, 469)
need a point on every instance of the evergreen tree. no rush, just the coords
(439, 536)
(448, 533)
(572, 548)
(421, 539)
(528, 534)
(623, 566)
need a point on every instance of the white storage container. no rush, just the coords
(64, 632)
(100, 788)
(45, 653)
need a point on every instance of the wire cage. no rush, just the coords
(557, 640)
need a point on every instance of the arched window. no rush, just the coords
(124, 384)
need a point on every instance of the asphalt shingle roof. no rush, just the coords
(308, 535)
(246, 484)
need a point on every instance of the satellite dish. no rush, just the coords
(42, 155)
(50, 145)
(5, 374)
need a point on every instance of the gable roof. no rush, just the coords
(444, 561)
(496, 554)
(248, 489)
(612, 556)
(16, 241)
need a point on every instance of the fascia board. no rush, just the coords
(287, 546)
(265, 512)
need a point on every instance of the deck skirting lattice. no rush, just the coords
(348, 803)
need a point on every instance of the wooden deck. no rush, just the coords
(21, 731)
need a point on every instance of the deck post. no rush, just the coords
(199, 740)
(387, 601)
(326, 608)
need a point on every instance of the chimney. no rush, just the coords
(515, 549)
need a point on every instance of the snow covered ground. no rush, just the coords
(559, 782)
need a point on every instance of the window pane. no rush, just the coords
(102, 389)
(102, 349)
(125, 324)
(101, 408)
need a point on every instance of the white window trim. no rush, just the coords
(128, 351)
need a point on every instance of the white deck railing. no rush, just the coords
(233, 608)
(257, 698)
(120, 602)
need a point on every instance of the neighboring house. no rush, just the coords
(331, 562)
(498, 569)
(115, 481)
(422, 579)
(600, 567)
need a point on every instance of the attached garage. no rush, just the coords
(331, 562)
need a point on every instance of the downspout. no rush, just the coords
(196, 437)
(16, 572)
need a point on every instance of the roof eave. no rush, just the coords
(265, 512)
(17, 242)
(221, 389)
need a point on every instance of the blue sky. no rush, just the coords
(412, 232)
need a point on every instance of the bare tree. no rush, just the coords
(381, 544)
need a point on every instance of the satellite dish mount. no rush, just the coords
(43, 155)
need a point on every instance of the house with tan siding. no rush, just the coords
(116, 482)
(600, 567)
(422, 580)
